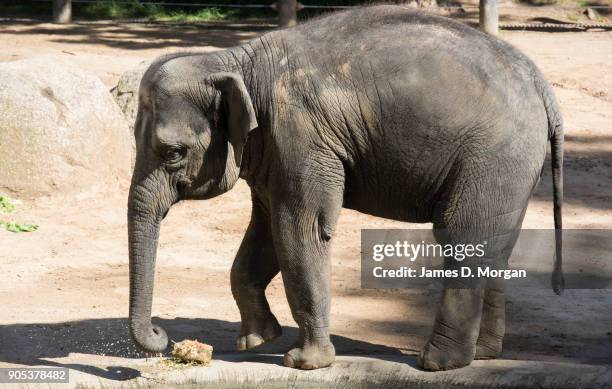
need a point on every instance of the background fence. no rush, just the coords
(287, 11)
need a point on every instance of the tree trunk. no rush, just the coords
(287, 13)
(62, 11)
(488, 16)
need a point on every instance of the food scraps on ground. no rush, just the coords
(192, 351)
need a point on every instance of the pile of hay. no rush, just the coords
(192, 351)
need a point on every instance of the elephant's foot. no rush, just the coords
(438, 356)
(490, 340)
(311, 356)
(488, 348)
(257, 332)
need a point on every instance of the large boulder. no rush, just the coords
(126, 92)
(60, 130)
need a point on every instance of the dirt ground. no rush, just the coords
(64, 288)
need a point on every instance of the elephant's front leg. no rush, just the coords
(254, 267)
(303, 225)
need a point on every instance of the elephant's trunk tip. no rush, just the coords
(149, 337)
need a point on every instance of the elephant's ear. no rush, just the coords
(238, 109)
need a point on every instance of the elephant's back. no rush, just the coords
(429, 67)
(388, 30)
(430, 94)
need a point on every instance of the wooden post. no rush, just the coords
(488, 16)
(287, 12)
(62, 11)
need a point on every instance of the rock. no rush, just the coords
(60, 130)
(126, 92)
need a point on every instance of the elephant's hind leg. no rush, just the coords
(253, 269)
(470, 322)
(492, 324)
(493, 321)
(453, 341)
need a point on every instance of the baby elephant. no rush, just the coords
(384, 110)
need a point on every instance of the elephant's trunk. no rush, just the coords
(146, 209)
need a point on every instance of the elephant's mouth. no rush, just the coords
(182, 186)
(192, 190)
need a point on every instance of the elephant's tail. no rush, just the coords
(555, 136)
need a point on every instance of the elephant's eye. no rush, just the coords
(173, 155)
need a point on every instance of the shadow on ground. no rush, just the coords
(140, 36)
(33, 344)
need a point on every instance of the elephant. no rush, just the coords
(385, 110)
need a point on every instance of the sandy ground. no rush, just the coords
(64, 288)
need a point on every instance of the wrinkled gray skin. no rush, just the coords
(384, 110)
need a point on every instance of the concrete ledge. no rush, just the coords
(265, 371)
